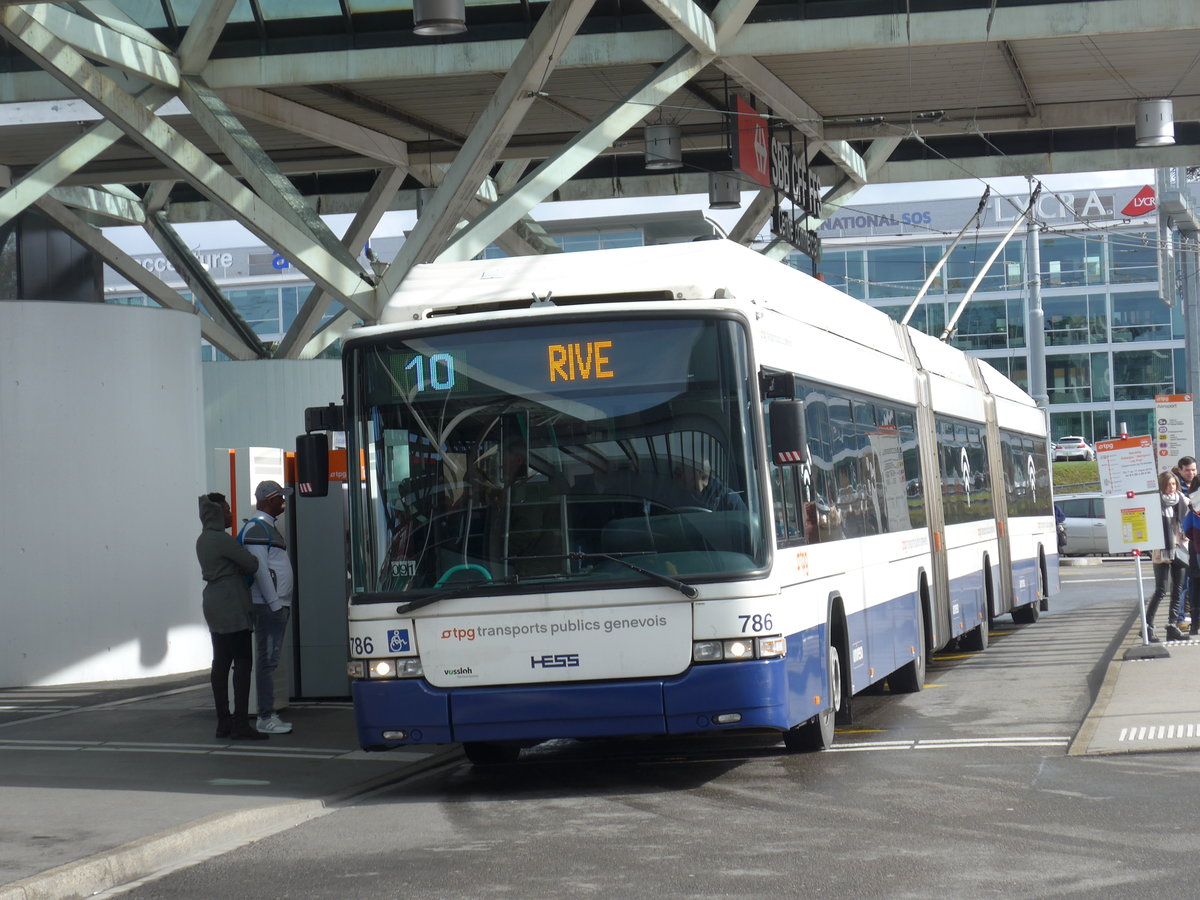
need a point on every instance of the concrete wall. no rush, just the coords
(261, 403)
(101, 461)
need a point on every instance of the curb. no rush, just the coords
(1087, 731)
(197, 841)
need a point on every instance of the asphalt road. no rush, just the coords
(963, 789)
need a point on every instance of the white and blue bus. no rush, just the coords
(670, 490)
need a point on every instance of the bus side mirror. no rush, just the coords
(789, 444)
(312, 464)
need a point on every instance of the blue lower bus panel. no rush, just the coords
(753, 694)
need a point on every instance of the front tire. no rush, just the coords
(817, 732)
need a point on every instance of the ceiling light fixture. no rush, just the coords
(437, 18)
(1155, 123)
(723, 191)
(664, 147)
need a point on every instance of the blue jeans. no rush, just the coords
(269, 629)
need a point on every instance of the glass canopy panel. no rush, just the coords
(185, 11)
(300, 9)
(147, 13)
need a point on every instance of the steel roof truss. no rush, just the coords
(689, 21)
(102, 44)
(203, 287)
(300, 119)
(257, 168)
(201, 35)
(586, 146)
(377, 201)
(54, 170)
(102, 203)
(504, 112)
(114, 18)
(213, 332)
(175, 150)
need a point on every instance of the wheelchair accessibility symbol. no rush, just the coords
(397, 640)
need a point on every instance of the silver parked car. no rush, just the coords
(1085, 525)
(1073, 447)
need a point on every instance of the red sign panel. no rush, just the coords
(1142, 203)
(753, 145)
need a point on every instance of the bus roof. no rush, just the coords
(698, 270)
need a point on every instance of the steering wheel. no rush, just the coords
(463, 567)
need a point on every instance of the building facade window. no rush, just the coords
(900, 271)
(1072, 260)
(1073, 319)
(968, 258)
(1077, 377)
(929, 316)
(1133, 256)
(843, 269)
(991, 324)
(1140, 316)
(1141, 374)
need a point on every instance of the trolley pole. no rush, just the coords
(1036, 328)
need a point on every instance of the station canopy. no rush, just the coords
(275, 112)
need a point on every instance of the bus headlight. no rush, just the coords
(356, 669)
(735, 649)
(409, 667)
(381, 668)
(739, 648)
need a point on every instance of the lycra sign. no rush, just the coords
(771, 163)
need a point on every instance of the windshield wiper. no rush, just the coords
(683, 587)
(467, 588)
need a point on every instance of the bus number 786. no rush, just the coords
(756, 623)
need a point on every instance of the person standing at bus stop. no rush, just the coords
(225, 565)
(1169, 568)
(272, 596)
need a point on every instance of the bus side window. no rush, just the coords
(786, 498)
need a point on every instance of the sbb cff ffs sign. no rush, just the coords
(770, 162)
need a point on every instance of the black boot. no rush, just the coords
(219, 677)
(242, 729)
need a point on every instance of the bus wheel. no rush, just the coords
(817, 732)
(490, 753)
(1027, 614)
(910, 677)
(976, 639)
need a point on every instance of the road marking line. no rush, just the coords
(1132, 734)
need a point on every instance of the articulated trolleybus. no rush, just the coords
(670, 490)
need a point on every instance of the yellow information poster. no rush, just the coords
(1133, 525)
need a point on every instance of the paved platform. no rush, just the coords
(101, 785)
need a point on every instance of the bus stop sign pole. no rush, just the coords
(1146, 650)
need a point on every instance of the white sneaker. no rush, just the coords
(272, 724)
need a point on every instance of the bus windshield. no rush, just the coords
(554, 455)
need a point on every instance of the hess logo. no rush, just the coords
(1142, 203)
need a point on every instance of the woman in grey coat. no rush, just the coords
(224, 564)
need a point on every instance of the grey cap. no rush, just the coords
(268, 489)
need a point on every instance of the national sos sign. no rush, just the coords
(1143, 203)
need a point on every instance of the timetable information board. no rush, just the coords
(1127, 465)
(1174, 433)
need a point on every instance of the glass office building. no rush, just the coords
(1113, 341)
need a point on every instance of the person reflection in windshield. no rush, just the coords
(704, 489)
